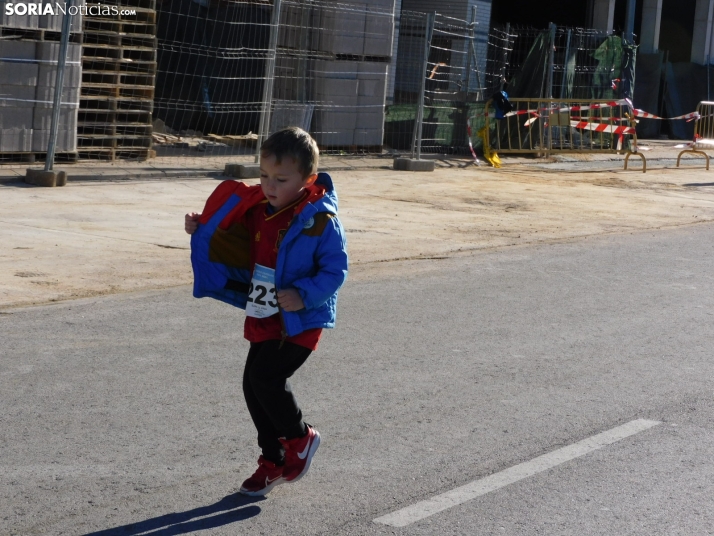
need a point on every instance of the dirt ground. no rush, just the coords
(95, 238)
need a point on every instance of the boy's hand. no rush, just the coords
(191, 222)
(290, 300)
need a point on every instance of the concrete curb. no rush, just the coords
(112, 173)
(128, 176)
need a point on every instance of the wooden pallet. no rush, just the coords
(121, 117)
(117, 91)
(119, 39)
(118, 84)
(113, 154)
(37, 34)
(112, 53)
(352, 149)
(96, 104)
(126, 4)
(119, 65)
(115, 26)
(88, 128)
(143, 16)
(115, 141)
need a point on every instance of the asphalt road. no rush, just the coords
(124, 415)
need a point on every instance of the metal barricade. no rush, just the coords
(703, 132)
(543, 127)
(520, 132)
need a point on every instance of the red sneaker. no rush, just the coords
(267, 476)
(299, 453)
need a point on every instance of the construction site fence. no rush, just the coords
(360, 78)
(545, 126)
(703, 133)
(217, 78)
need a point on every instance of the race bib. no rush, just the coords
(262, 297)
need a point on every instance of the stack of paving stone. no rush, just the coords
(334, 58)
(29, 51)
(118, 81)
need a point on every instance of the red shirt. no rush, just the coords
(267, 230)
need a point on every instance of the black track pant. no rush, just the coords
(270, 400)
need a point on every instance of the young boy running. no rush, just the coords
(278, 251)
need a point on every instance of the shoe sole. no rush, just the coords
(262, 492)
(313, 448)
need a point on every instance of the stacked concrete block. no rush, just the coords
(35, 15)
(18, 78)
(296, 24)
(335, 91)
(17, 20)
(341, 29)
(287, 78)
(340, 55)
(47, 56)
(15, 140)
(350, 99)
(27, 80)
(54, 22)
(379, 28)
(371, 95)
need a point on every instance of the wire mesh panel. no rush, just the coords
(563, 125)
(442, 66)
(401, 114)
(29, 55)
(530, 64)
(231, 73)
(210, 75)
(567, 63)
(450, 67)
(331, 72)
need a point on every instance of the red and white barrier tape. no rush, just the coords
(537, 111)
(471, 145)
(610, 104)
(646, 115)
(602, 127)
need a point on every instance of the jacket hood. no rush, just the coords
(321, 198)
(321, 195)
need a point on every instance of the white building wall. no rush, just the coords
(702, 38)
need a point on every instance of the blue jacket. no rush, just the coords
(312, 256)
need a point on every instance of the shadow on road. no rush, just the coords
(228, 510)
(699, 184)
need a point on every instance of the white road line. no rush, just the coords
(416, 512)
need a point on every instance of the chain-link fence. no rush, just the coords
(229, 73)
(446, 73)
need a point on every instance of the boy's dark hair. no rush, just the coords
(295, 143)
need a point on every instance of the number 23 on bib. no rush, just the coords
(262, 297)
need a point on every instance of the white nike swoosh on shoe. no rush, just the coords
(268, 481)
(302, 455)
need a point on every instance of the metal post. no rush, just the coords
(264, 126)
(548, 93)
(470, 54)
(565, 66)
(551, 62)
(504, 59)
(630, 21)
(416, 143)
(59, 82)
(306, 13)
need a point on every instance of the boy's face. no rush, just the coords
(282, 183)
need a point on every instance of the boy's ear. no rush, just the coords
(311, 179)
